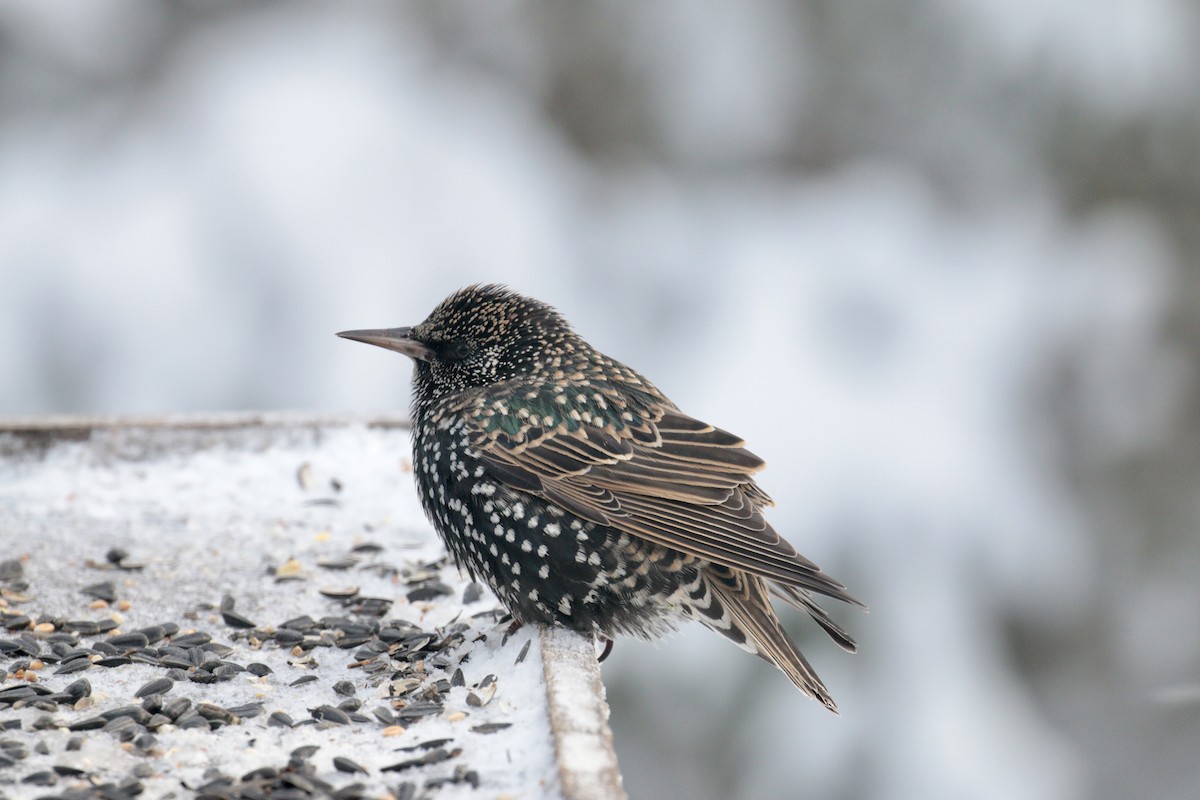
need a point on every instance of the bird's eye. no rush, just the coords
(457, 350)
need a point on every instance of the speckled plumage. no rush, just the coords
(582, 496)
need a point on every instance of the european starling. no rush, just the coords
(583, 496)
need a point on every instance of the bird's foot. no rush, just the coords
(608, 646)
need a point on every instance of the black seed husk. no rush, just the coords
(132, 640)
(192, 639)
(472, 593)
(305, 752)
(42, 778)
(76, 665)
(432, 757)
(105, 590)
(236, 620)
(343, 764)
(156, 686)
(326, 713)
(89, 724)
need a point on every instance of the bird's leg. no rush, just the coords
(608, 646)
(512, 628)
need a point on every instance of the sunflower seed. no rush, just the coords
(337, 562)
(156, 686)
(327, 713)
(105, 590)
(279, 719)
(77, 665)
(192, 639)
(305, 752)
(432, 757)
(236, 620)
(343, 764)
(129, 641)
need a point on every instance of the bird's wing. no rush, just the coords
(631, 461)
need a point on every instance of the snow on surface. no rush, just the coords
(214, 522)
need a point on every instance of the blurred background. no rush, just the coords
(937, 262)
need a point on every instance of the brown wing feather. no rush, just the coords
(664, 476)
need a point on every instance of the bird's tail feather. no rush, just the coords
(738, 606)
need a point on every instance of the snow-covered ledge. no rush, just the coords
(248, 601)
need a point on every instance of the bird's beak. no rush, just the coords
(398, 339)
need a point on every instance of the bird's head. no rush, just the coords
(478, 336)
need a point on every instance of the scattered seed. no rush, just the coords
(192, 720)
(176, 708)
(260, 774)
(303, 679)
(337, 562)
(289, 570)
(42, 778)
(105, 590)
(89, 724)
(428, 592)
(524, 652)
(279, 719)
(288, 637)
(305, 752)
(472, 593)
(156, 721)
(156, 686)
(129, 641)
(76, 665)
(236, 620)
(78, 689)
(426, 745)
(343, 764)
(246, 710)
(491, 727)
(114, 661)
(194, 639)
(401, 687)
(432, 757)
(339, 592)
(68, 771)
(327, 713)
